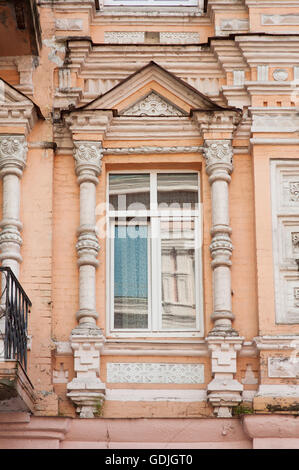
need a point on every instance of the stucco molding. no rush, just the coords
(17, 110)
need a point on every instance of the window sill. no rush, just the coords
(150, 347)
(151, 12)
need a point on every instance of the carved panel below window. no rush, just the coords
(155, 373)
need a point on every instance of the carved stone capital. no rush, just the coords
(218, 152)
(88, 158)
(13, 152)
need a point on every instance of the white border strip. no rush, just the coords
(122, 394)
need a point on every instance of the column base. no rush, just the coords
(223, 330)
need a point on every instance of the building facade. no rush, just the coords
(149, 244)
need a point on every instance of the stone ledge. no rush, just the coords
(16, 390)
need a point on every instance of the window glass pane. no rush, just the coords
(178, 274)
(131, 276)
(129, 192)
(177, 190)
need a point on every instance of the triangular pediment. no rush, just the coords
(17, 109)
(10, 95)
(153, 91)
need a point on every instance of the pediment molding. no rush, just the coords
(17, 110)
(151, 104)
(152, 78)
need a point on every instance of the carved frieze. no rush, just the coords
(283, 367)
(124, 37)
(296, 296)
(295, 239)
(294, 191)
(179, 38)
(288, 19)
(139, 372)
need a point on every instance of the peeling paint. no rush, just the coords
(55, 47)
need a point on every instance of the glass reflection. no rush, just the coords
(177, 190)
(129, 192)
(178, 274)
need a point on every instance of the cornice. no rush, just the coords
(277, 342)
(135, 347)
(148, 128)
(88, 122)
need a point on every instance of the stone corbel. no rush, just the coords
(86, 390)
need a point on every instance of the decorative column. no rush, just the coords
(86, 390)
(224, 391)
(13, 151)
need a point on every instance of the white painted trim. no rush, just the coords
(194, 395)
(155, 290)
(285, 390)
(156, 347)
(260, 141)
(285, 270)
(248, 395)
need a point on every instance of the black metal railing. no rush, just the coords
(14, 305)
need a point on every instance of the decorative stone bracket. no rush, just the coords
(224, 391)
(86, 390)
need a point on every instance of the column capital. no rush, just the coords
(88, 157)
(218, 154)
(13, 152)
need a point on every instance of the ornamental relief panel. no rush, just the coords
(155, 373)
(294, 191)
(153, 105)
(285, 199)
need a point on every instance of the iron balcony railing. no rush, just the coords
(15, 305)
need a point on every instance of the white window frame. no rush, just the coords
(154, 264)
(152, 3)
